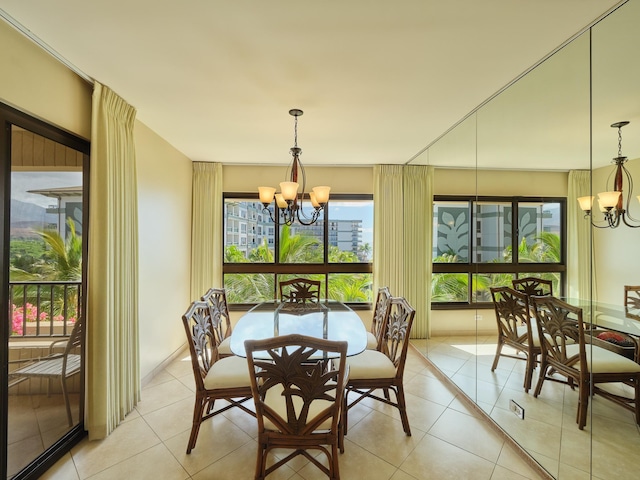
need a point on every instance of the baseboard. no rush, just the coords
(176, 354)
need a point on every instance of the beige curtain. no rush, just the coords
(418, 214)
(388, 233)
(206, 233)
(112, 364)
(580, 258)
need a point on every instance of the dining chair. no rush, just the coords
(300, 290)
(632, 296)
(384, 368)
(533, 286)
(374, 336)
(515, 329)
(58, 365)
(215, 378)
(298, 387)
(217, 300)
(564, 351)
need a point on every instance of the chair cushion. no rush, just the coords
(370, 364)
(276, 401)
(601, 360)
(372, 341)
(225, 347)
(228, 372)
(522, 330)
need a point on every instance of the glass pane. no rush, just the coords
(45, 285)
(302, 243)
(249, 232)
(451, 232)
(539, 232)
(350, 231)
(450, 287)
(492, 232)
(249, 287)
(351, 287)
(483, 282)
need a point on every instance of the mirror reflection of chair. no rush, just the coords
(300, 290)
(374, 336)
(564, 351)
(632, 296)
(58, 365)
(515, 329)
(217, 300)
(299, 396)
(215, 378)
(384, 368)
(533, 286)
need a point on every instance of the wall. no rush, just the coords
(164, 226)
(35, 83)
(617, 255)
(487, 182)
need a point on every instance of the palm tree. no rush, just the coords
(65, 257)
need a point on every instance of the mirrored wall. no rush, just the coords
(523, 143)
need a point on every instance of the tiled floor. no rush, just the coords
(449, 440)
(607, 449)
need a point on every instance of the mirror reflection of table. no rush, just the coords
(328, 319)
(608, 316)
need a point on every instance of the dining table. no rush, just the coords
(327, 319)
(617, 318)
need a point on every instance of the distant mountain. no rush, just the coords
(27, 217)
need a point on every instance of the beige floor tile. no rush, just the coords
(64, 469)
(384, 437)
(501, 473)
(512, 461)
(156, 462)
(158, 396)
(430, 389)
(171, 420)
(129, 439)
(436, 459)
(468, 433)
(400, 475)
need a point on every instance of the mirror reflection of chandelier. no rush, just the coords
(613, 203)
(289, 202)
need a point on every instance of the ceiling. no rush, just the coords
(378, 81)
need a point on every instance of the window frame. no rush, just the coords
(515, 267)
(276, 268)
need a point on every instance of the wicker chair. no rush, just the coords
(561, 332)
(374, 337)
(299, 397)
(215, 378)
(300, 290)
(217, 300)
(533, 286)
(632, 296)
(384, 368)
(515, 329)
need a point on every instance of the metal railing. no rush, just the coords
(43, 309)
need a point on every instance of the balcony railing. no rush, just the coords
(43, 309)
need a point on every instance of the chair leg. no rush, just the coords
(543, 370)
(402, 406)
(529, 373)
(65, 395)
(583, 403)
(498, 351)
(198, 411)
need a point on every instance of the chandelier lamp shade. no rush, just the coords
(614, 204)
(289, 202)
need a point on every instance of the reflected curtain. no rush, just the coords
(580, 257)
(113, 364)
(206, 234)
(388, 234)
(417, 215)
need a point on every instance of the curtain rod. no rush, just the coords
(31, 36)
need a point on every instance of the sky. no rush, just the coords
(23, 181)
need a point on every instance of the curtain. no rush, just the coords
(113, 365)
(580, 257)
(417, 215)
(206, 234)
(388, 233)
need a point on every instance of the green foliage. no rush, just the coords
(64, 260)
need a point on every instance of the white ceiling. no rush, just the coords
(378, 81)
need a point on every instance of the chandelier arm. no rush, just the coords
(628, 199)
(312, 219)
(624, 219)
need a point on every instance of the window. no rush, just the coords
(466, 262)
(337, 250)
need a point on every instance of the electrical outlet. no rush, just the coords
(478, 318)
(516, 409)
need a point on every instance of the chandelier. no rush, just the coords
(614, 204)
(289, 202)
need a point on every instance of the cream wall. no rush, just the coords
(33, 82)
(164, 226)
(617, 251)
(488, 182)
